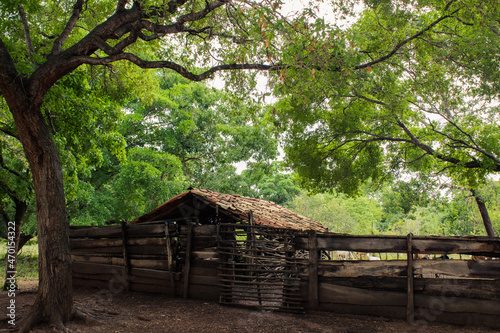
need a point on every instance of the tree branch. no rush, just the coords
(174, 66)
(404, 42)
(121, 5)
(59, 42)
(26, 29)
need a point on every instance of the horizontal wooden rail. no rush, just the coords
(397, 244)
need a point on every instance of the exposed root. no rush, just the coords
(35, 317)
(31, 320)
(89, 317)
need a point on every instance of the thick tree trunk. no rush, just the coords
(484, 213)
(54, 302)
(21, 208)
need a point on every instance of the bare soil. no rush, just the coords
(141, 312)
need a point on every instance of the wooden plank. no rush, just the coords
(331, 242)
(113, 231)
(100, 277)
(110, 251)
(107, 242)
(457, 245)
(95, 243)
(362, 268)
(397, 244)
(86, 282)
(458, 305)
(459, 268)
(329, 293)
(154, 274)
(98, 260)
(136, 230)
(355, 296)
(151, 264)
(464, 288)
(96, 269)
(313, 270)
(135, 263)
(187, 264)
(410, 304)
(151, 281)
(205, 230)
(382, 283)
(148, 250)
(157, 229)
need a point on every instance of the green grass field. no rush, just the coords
(27, 261)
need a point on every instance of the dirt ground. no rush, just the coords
(140, 312)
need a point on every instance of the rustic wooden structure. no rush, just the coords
(246, 252)
(460, 291)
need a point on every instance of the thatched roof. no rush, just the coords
(236, 207)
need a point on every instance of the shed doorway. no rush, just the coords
(258, 267)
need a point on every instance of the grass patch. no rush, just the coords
(27, 262)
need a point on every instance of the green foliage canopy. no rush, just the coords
(410, 86)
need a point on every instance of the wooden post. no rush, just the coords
(170, 257)
(126, 256)
(187, 264)
(410, 304)
(313, 270)
(252, 253)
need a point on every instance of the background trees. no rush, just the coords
(186, 135)
(405, 89)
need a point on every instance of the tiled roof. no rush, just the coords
(264, 212)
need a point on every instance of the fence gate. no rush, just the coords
(258, 267)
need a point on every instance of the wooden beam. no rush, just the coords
(187, 263)
(126, 256)
(168, 245)
(410, 303)
(453, 267)
(113, 231)
(313, 270)
(397, 244)
(170, 258)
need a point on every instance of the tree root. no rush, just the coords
(88, 317)
(35, 317)
(32, 318)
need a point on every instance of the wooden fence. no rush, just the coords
(461, 291)
(182, 258)
(159, 257)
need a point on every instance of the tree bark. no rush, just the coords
(484, 213)
(54, 302)
(21, 208)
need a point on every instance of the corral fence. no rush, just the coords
(420, 279)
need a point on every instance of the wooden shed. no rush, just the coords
(209, 207)
(199, 244)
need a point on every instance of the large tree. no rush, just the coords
(41, 43)
(410, 86)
